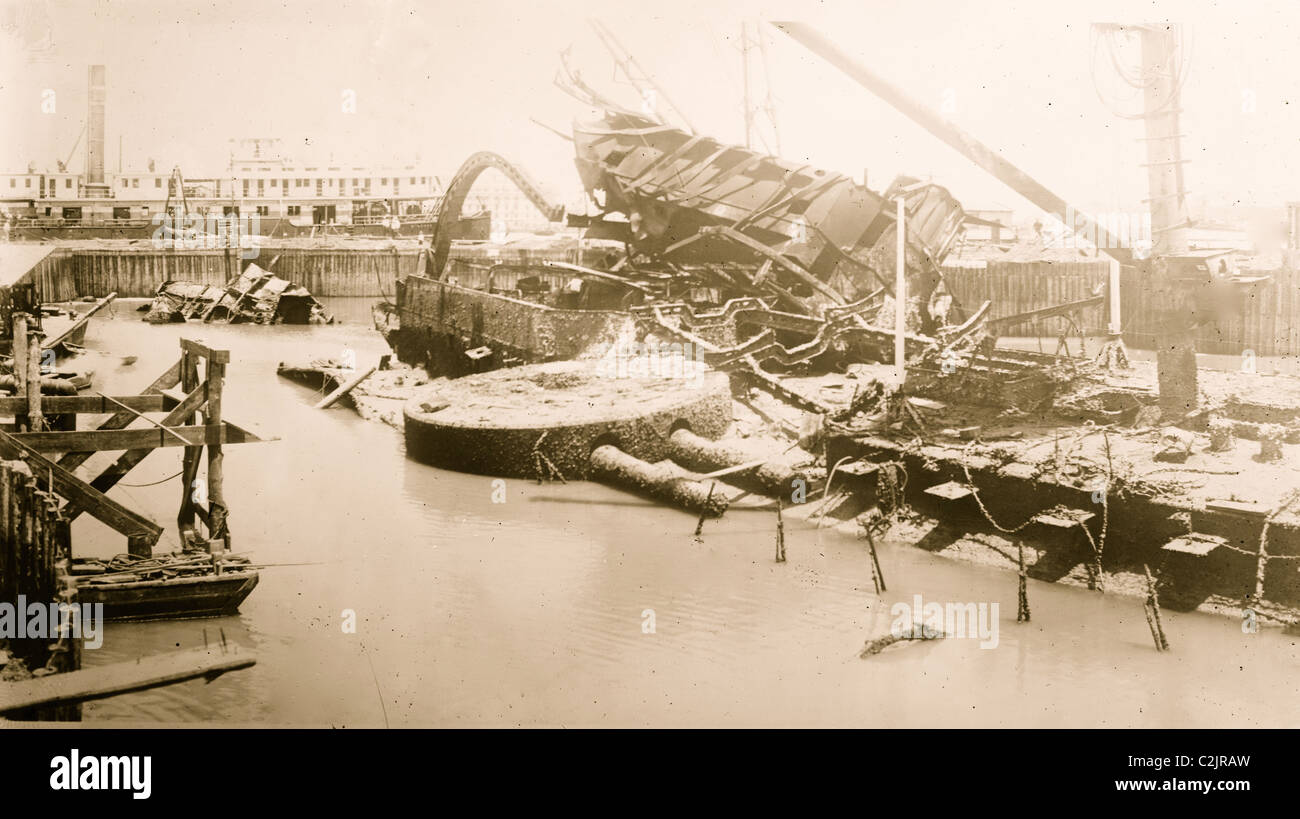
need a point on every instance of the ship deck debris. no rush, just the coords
(255, 296)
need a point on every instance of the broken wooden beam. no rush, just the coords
(71, 332)
(85, 404)
(346, 387)
(78, 492)
(121, 678)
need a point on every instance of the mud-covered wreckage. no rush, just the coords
(782, 275)
(763, 264)
(255, 296)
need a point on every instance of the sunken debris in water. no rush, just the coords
(255, 296)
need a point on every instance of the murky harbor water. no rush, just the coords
(531, 612)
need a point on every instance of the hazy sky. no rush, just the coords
(444, 79)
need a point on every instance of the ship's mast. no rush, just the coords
(652, 94)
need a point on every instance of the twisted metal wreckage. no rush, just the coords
(753, 259)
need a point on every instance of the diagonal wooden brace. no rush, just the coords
(83, 496)
(107, 479)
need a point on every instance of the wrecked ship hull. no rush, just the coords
(253, 297)
(455, 330)
(675, 189)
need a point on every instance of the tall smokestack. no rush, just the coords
(95, 128)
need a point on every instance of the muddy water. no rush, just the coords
(535, 611)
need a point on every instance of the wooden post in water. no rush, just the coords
(1152, 608)
(780, 534)
(190, 460)
(699, 526)
(877, 574)
(35, 418)
(216, 374)
(19, 353)
(1022, 612)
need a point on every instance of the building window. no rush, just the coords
(284, 185)
(294, 210)
(263, 210)
(384, 182)
(29, 181)
(261, 188)
(245, 187)
(135, 183)
(13, 183)
(273, 183)
(126, 182)
(412, 180)
(320, 187)
(157, 181)
(67, 183)
(121, 213)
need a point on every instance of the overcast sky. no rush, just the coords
(444, 79)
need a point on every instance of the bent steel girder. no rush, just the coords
(454, 199)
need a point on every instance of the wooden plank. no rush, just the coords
(346, 387)
(85, 404)
(252, 433)
(100, 506)
(122, 677)
(99, 440)
(80, 322)
(199, 349)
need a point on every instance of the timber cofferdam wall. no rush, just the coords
(77, 273)
(1267, 321)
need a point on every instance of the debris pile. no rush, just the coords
(255, 296)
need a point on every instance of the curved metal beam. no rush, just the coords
(454, 199)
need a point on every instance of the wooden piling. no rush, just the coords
(699, 525)
(190, 460)
(1152, 608)
(19, 353)
(877, 574)
(1022, 612)
(35, 549)
(35, 418)
(216, 375)
(780, 534)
